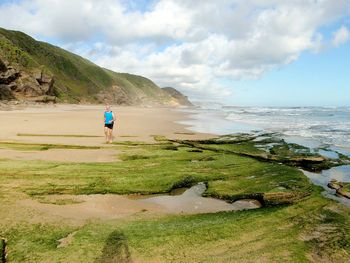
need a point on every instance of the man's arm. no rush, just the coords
(114, 118)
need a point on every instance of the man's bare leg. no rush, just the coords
(110, 135)
(106, 134)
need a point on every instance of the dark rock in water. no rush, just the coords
(343, 193)
(334, 185)
(310, 163)
(268, 199)
(311, 159)
(268, 149)
(339, 188)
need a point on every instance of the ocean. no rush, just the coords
(314, 127)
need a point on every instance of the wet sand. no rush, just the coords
(97, 206)
(192, 202)
(109, 206)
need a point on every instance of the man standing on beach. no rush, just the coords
(109, 119)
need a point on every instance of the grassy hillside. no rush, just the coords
(76, 78)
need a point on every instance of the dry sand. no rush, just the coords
(63, 155)
(133, 124)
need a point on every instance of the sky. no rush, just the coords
(236, 52)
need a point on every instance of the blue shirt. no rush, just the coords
(108, 117)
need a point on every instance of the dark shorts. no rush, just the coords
(109, 125)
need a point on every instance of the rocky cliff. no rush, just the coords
(20, 85)
(178, 96)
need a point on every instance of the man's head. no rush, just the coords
(108, 108)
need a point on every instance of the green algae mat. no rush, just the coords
(295, 224)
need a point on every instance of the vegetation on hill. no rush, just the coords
(77, 79)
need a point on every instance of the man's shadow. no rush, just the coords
(116, 249)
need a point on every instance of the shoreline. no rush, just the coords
(73, 202)
(66, 124)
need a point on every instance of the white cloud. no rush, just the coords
(341, 36)
(188, 44)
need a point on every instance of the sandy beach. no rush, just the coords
(83, 125)
(63, 185)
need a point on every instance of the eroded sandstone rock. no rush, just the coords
(18, 84)
(8, 76)
(2, 66)
(280, 198)
(339, 188)
(334, 185)
(116, 95)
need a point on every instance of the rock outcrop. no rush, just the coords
(281, 198)
(339, 188)
(178, 96)
(115, 95)
(23, 85)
